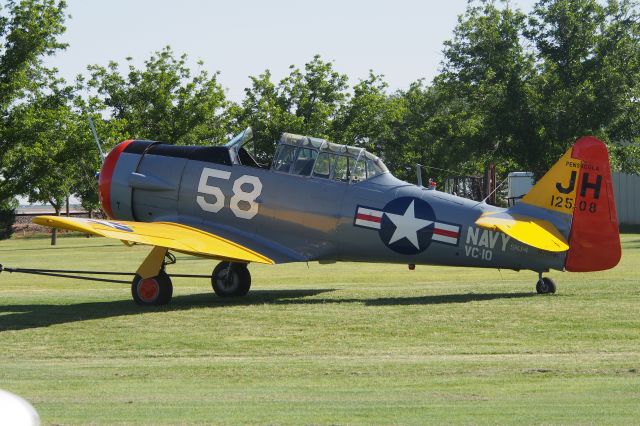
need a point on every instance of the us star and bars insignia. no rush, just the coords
(368, 218)
(407, 225)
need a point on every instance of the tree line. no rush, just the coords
(515, 89)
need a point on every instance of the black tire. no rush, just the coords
(153, 291)
(236, 284)
(546, 285)
(551, 285)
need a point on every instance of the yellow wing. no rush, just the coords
(538, 233)
(161, 234)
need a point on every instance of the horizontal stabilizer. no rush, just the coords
(161, 234)
(534, 232)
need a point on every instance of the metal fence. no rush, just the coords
(472, 187)
(626, 189)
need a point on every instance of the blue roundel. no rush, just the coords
(407, 225)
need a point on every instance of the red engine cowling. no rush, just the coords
(106, 178)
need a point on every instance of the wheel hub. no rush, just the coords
(228, 279)
(148, 289)
(543, 286)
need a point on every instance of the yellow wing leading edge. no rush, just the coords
(170, 235)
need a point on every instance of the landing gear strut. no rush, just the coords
(231, 279)
(545, 285)
(151, 285)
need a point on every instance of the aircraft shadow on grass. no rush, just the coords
(631, 244)
(22, 317)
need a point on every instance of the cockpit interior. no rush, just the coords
(312, 157)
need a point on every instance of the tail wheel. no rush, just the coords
(545, 285)
(231, 279)
(152, 291)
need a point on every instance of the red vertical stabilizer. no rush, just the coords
(594, 242)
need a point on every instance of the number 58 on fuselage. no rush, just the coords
(320, 201)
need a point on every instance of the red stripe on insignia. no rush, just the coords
(106, 175)
(445, 233)
(368, 217)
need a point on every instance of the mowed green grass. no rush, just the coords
(320, 344)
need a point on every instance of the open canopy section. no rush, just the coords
(319, 158)
(237, 151)
(240, 139)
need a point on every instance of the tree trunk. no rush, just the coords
(90, 217)
(54, 231)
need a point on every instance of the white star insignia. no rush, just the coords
(407, 226)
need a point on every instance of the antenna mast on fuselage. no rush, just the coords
(95, 136)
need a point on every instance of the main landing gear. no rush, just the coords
(545, 285)
(152, 291)
(231, 279)
(152, 286)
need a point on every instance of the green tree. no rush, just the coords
(370, 117)
(7, 217)
(84, 173)
(518, 90)
(163, 100)
(314, 95)
(263, 108)
(44, 131)
(589, 74)
(565, 35)
(306, 102)
(432, 132)
(28, 31)
(484, 86)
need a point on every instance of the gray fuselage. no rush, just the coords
(290, 217)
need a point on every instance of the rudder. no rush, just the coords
(580, 185)
(594, 241)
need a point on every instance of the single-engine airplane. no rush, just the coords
(319, 201)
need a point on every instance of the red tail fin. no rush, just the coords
(594, 240)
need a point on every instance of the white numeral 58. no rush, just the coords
(240, 197)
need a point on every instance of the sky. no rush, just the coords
(402, 39)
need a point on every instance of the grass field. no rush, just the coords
(312, 344)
